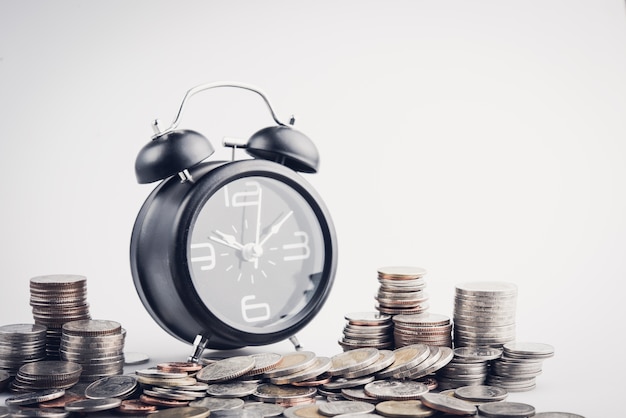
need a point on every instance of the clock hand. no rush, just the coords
(275, 228)
(227, 240)
(258, 218)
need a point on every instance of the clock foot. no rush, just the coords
(295, 342)
(198, 347)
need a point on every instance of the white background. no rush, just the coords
(481, 140)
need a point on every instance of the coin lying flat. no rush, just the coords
(265, 409)
(93, 405)
(218, 404)
(226, 369)
(234, 389)
(292, 363)
(330, 409)
(184, 412)
(404, 409)
(35, 397)
(397, 390)
(135, 406)
(448, 404)
(318, 368)
(349, 361)
(111, 387)
(506, 410)
(303, 411)
(481, 393)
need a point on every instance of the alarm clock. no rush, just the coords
(227, 254)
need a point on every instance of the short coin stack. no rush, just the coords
(48, 374)
(401, 290)
(97, 345)
(484, 314)
(519, 365)
(367, 329)
(20, 344)
(56, 299)
(468, 367)
(425, 328)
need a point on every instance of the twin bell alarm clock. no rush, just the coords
(227, 254)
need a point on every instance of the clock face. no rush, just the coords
(256, 253)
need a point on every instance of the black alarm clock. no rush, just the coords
(227, 254)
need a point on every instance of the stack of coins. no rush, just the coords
(55, 300)
(401, 290)
(48, 374)
(484, 314)
(519, 366)
(367, 329)
(20, 344)
(425, 328)
(469, 367)
(97, 345)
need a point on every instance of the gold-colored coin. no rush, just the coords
(349, 361)
(404, 409)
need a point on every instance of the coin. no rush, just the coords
(236, 413)
(264, 362)
(265, 409)
(319, 367)
(401, 272)
(557, 415)
(268, 392)
(135, 406)
(330, 409)
(233, 389)
(303, 411)
(447, 404)
(34, 397)
(481, 393)
(183, 412)
(179, 367)
(385, 359)
(156, 401)
(528, 350)
(478, 353)
(291, 363)
(111, 387)
(225, 369)
(93, 405)
(404, 409)
(506, 409)
(62, 401)
(405, 358)
(396, 390)
(218, 404)
(353, 360)
(39, 413)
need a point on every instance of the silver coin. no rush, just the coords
(218, 404)
(481, 393)
(401, 272)
(331, 409)
(265, 409)
(448, 404)
(111, 387)
(292, 363)
(183, 412)
(557, 415)
(160, 374)
(234, 389)
(34, 397)
(353, 360)
(385, 359)
(319, 367)
(367, 318)
(506, 410)
(528, 350)
(396, 390)
(264, 362)
(39, 413)
(268, 392)
(236, 413)
(358, 394)
(93, 405)
(226, 369)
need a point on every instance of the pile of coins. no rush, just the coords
(401, 290)
(97, 345)
(425, 328)
(20, 344)
(56, 299)
(367, 329)
(484, 314)
(520, 364)
(48, 374)
(469, 367)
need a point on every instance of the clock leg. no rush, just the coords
(198, 347)
(295, 342)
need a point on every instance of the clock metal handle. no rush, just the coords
(208, 86)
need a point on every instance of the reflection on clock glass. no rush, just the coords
(256, 253)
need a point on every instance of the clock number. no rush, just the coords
(207, 258)
(260, 311)
(303, 245)
(243, 198)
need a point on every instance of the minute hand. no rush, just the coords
(275, 228)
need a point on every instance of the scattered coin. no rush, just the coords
(226, 369)
(352, 360)
(135, 407)
(179, 367)
(264, 362)
(405, 358)
(218, 404)
(236, 413)
(184, 412)
(481, 393)
(265, 409)
(303, 411)
(34, 397)
(448, 404)
(267, 392)
(396, 390)
(330, 409)
(506, 410)
(404, 409)
(111, 387)
(292, 363)
(93, 405)
(557, 415)
(233, 389)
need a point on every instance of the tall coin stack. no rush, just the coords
(401, 290)
(484, 314)
(21, 344)
(97, 345)
(56, 299)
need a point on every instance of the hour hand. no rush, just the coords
(226, 239)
